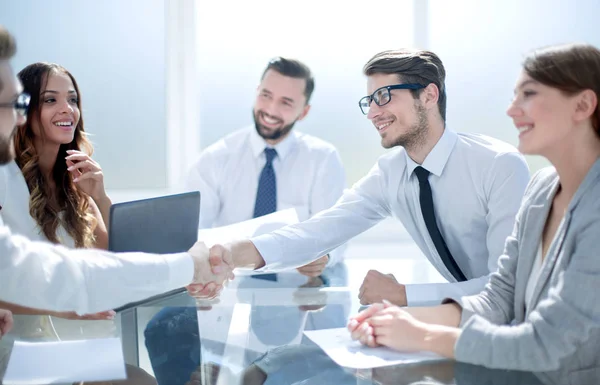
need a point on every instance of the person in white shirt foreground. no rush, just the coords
(456, 194)
(46, 276)
(540, 310)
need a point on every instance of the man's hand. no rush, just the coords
(378, 287)
(212, 268)
(315, 268)
(6, 322)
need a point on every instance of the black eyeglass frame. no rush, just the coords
(370, 98)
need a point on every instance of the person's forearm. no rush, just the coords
(446, 315)
(23, 310)
(441, 340)
(104, 204)
(44, 276)
(245, 255)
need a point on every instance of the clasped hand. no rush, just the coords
(388, 325)
(213, 268)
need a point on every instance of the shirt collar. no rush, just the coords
(283, 148)
(438, 156)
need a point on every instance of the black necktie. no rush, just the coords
(426, 200)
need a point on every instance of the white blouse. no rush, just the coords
(533, 277)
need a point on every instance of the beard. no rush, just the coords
(417, 135)
(7, 152)
(267, 133)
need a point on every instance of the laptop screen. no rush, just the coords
(162, 225)
(167, 224)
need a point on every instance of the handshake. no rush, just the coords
(212, 269)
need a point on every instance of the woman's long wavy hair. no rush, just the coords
(74, 204)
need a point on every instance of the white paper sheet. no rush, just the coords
(65, 362)
(249, 228)
(340, 347)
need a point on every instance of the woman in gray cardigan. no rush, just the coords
(540, 310)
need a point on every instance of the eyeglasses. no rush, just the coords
(382, 95)
(21, 104)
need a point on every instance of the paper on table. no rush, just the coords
(249, 228)
(65, 362)
(340, 347)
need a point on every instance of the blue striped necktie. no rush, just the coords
(266, 193)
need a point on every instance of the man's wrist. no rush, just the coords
(401, 299)
(245, 255)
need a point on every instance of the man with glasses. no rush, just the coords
(456, 194)
(45, 276)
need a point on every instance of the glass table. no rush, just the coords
(253, 334)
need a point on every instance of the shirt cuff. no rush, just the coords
(181, 270)
(422, 294)
(270, 252)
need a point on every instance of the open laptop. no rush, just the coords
(167, 224)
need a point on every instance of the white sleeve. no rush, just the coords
(45, 276)
(327, 188)
(423, 294)
(505, 188)
(359, 209)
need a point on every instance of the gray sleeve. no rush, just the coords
(563, 321)
(496, 302)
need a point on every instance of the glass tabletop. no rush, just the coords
(254, 334)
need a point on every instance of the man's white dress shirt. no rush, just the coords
(477, 183)
(309, 174)
(45, 276)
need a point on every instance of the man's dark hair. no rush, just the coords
(412, 66)
(8, 46)
(293, 69)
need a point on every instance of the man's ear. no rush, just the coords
(304, 112)
(430, 95)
